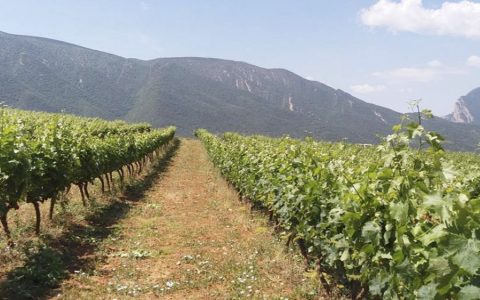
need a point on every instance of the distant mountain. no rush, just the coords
(219, 95)
(467, 109)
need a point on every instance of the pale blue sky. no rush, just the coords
(379, 57)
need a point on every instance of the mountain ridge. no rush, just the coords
(191, 92)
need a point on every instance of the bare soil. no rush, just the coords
(182, 235)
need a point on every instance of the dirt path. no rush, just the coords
(191, 238)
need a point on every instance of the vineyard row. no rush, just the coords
(390, 222)
(42, 155)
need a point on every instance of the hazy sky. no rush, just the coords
(385, 52)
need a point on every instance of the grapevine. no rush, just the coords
(42, 155)
(390, 221)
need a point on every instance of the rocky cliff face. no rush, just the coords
(460, 113)
(467, 109)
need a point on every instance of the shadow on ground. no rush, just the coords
(60, 257)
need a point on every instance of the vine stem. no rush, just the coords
(37, 217)
(3, 220)
(52, 205)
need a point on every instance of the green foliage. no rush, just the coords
(42, 154)
(401, 222)
(43, 268)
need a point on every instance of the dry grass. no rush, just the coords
(188, 237)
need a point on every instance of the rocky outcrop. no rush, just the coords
(461, 113)
(467, 109)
